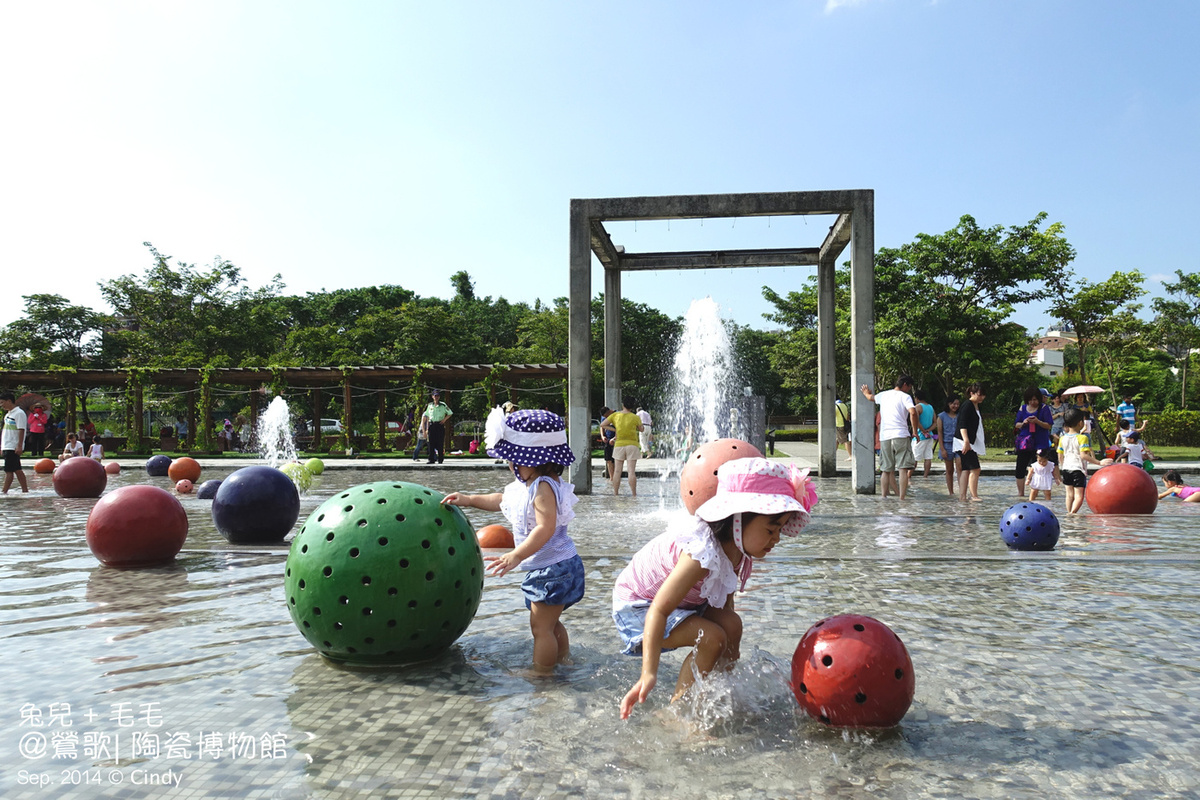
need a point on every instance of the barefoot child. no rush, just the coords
(1042, 475)
(678, 589)
(1074, 454)
(538, 506)
(1175, 486)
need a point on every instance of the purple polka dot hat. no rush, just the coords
(529, 438)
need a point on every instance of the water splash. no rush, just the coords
(701, 402)
(274, 434)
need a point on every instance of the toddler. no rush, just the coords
(678, 590)
(538, 506)
(1042, 474)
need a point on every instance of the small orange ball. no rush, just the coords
(184, 468)
(495, 537)
(112, 467)
(44, 466)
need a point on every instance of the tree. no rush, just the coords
(53, 333)
(1097, 311)
(942, 304)
(178, 316)
(1177, 323)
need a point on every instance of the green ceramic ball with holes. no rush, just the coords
(384, 574)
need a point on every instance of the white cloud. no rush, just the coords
(1161, 277)
(834, 5)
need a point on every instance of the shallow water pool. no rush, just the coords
(1063, 674)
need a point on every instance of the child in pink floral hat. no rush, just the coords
(678, 590)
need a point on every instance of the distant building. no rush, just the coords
(1047, 353)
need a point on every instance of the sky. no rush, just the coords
(353, 144)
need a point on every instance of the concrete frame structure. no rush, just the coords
(854, 227)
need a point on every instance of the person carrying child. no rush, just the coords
(678, 590)
(1074, 454)
(538, 506)
(1175, 486)
(1042, 475)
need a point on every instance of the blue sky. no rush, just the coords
(359, 143)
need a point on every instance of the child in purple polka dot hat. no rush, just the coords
(538, 506)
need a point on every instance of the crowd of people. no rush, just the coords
(1056, 438)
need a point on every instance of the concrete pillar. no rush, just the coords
(862, 340)
(317, 437)
(381, 396)
(579, 361)
(612, 338)
(826, 373)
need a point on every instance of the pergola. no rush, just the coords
(854, 226)
(442, 376)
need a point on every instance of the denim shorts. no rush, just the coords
(631, 624)
(559, 584)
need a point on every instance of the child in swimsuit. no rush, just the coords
(1175, 486)
(679, 588)
(538, 505)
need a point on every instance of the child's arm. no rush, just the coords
(545, 515)
(686, 574)
(1169, 491)
(484, 502)
(1029, 474)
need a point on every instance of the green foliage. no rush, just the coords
(1174, 428)
(1101, 315)
(1177, 324)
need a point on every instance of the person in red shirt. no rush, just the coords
(37, 430)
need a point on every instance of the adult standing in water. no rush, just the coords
(12, 441)
(437, 413)
(970, 441)
(897, 421)
(625, 446)
(1033, 424)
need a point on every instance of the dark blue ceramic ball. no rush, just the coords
(1029, 526)
(157, 466)
(256, 505)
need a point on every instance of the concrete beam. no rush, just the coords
(720, 259)
(603, 247)
(837, 239)
(756, 204)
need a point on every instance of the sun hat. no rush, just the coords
(763, 487)
(530, 438)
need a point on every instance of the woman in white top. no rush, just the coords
(74, 448)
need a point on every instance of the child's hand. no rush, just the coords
(637, 694)
(456, 499)
(501, 565)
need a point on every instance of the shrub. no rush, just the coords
(1174, 428)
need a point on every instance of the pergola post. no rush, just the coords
(862, 341)
(612, 338)
(317, 438)
(382, 397)
(579, 361)
(347, 414)
(826, 368)
(191, 419)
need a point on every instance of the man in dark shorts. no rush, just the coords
(12, 441)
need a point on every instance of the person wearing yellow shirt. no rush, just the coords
(625, 447)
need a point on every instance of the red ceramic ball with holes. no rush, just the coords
(852, 671)
(184, 486)
(1121, 489)
(698, 478)
(137, 526)
(184, 469)
(494, 537)
(80, 477)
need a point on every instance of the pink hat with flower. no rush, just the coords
(763, 487)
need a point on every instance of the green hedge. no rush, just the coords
(1173, 429)
(796, 435)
